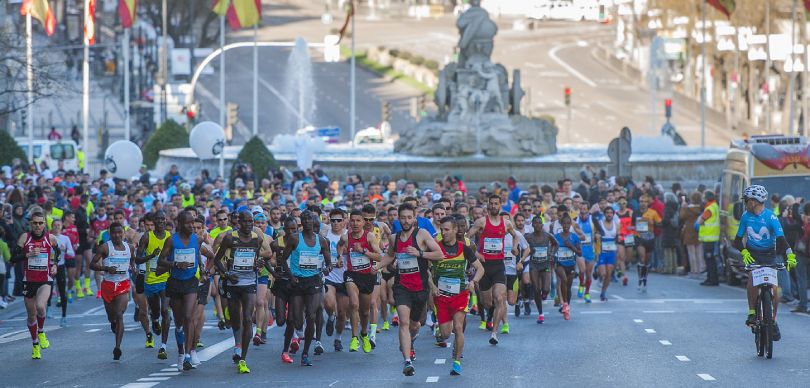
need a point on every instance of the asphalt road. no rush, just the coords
(678, 334)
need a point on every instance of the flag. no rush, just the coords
(724, 6)
(349, 16)
(126, 11)
(90, 22)
(40, 10)
(240, 13)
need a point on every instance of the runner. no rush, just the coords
(39, 252)
(587, 260)
(239, 277)
(141, 304)
(262, 294)
(66, 247)
(336, 300)
(181, 257)
(113, 260)
(361, 248)
(450, 288)
(609, 229)
(493, 229)
(309, 256)
(541, 245)
(207, 270)
(513, 248)
(379, 230)
(411, 247)
(569, 248)
(70, 230)
(282, 288)
(149, 248)
(627, 239)
(645, 227)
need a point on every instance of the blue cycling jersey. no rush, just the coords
(761, 231)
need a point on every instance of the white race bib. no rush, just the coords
(244, 259)
(642, 226)
(630, 239)
(153, 264)
(608, 246)
(38, 262)
(142, 268)
(565, 253)
(450, 286)
(121, 264)
(540, 254)
(359, 261)
(493, 245)
(764, 275)
(309, 260)
(587, 240)
(185, 255)
(407, 263)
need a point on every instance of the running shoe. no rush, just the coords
(493, 340)
(354, 345)
(366, 344)
(372, 339)
(89, 292)
(557, 301)
(187, 365)
(63, 322)
(200, 345)
(408, 370)
(195, 360)
(777, 335)
(285, 358)
(257, 340)
(150, 341)
(180, 361)
(490, 326)
(330, 325)
(587, 298)
(338, 345)
(305, 360)
(386, 326)
(624, 280)
(566, 312)
(36, 354)
(155, 326)
(483, 325)
(318, 348)
(505, 328)
(43, 341)
(243, 368)
(541, 319)
(751, 320)
(440, 342)
(221, 324)
(79, 293)
(603, 297)
(456, 368)
(395, 321)
(474, 310)
(294, 345)
(517, 309)
(162, 354)
(580, 292)
(70, 297)
(527, 308)
(237, 355)
(413, 354)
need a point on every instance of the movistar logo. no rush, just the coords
(763, 234)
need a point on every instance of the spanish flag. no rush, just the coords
(126, 11)
(240, 13)
(90, 22)
(724, 6)
(40, 10)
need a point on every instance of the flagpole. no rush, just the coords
(703, 77)
(86, 88)
(29, 57)
(222, 90)
(255, 79)
(126, 84)
(768, 66)
(352, 81)
(792, 82)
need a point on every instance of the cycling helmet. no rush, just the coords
(756, 192)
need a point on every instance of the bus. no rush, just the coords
(779, 163)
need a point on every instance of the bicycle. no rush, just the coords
(764, 276)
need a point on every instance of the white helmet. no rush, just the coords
(756, 192)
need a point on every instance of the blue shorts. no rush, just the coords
(154, 289)
(587, 253)
(566, 262)
(264, 280)
(607, 258)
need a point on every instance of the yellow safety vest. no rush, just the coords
(80, 156)
(187, 202)
(710, 230)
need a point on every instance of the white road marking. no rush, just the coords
(658, 311)
(665, 342)
(139, 385)
(22, 334)
(682, 358)
(553, 54)
(93, 310)
(154, 379)
(439, 361)
(92, 330)
(432, 379)
(650, 331)
(706, 377)
(617, 297)
(638, 320)
(169, 370)
(333, 383)
(596, 312)
(163, 374)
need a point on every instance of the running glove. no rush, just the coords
(791, 261)
(746, 257)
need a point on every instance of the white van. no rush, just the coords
(52, 151)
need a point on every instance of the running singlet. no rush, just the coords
(411, 271)
(450, 273)
(358, 261)
(73, 234)
(540, 254)
(36, 269)
(761, 231)
(152, 244)
(609, 237)
(625, 222)
(118, 259)
(491, 244)
(336, 275)
(184, 254)
(306, 261)
(645, 225)
(587, 229)
(242, 258)
(509, 259)
(566, 257)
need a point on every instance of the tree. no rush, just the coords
(9, 150)
(168, 135)
(256, 154)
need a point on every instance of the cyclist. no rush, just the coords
(763, 239)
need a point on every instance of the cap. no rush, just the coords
(259, 217)
(256, 209)
(437, 197)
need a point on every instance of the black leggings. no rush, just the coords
(61, 280)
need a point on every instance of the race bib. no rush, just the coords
(244, 259)
(121, 264)
(587, 240)
(764, 275)
(565, 253)
(38, 262)
(608, 246)
(153, 263)
(449, 286)
(510, 261)
(185, 255)
(407, 263)
(309, 260)
(359, 261)
(142, 268)
(540, 254)
(630, 240)
(493, 245)
(642, 226)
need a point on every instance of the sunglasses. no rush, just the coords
(222, 219)
(38, 223)
(369, 219)
(336, 220)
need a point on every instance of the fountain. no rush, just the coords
(300, 87)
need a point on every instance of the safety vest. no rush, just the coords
(80, 156)
(187, 202)
(710, 230)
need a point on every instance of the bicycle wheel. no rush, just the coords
(767, 319)
(758, 330)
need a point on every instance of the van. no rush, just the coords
(53, 151)
(779, 163)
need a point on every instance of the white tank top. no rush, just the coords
(119, 260)
(336, 276)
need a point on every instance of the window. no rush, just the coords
(62, 151)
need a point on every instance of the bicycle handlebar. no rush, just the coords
(749, 267)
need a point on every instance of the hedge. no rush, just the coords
(168, 135)
(256, 154)
(9, 150)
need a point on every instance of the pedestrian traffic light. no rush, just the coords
(233, 114)
(386, 111)
(668, 107)
(567, 96)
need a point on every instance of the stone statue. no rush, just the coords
(478, 111)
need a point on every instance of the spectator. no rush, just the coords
(54, 135)
(793, 227)
(689, 236)
(669, 237)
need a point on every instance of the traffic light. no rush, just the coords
(386, 111)
(233, 114)
(567, 96)
(421, 101)
(24, 118)
(668, 107)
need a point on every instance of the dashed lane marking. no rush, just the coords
(432, 379)
(596, 312)
(92, 330)
(439, 361)
(682, 358)
(665, 342)
(706, 377)
(154, 379)
(658, 311)
(638, 320)
(650, 331)
(164, 374)
(139, 385)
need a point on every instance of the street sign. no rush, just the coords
(619, 151)
(329, 134)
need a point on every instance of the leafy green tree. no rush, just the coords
(169, 135)
(9, 149)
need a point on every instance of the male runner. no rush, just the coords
(336, 300)
(113, 260)
(149, 248)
